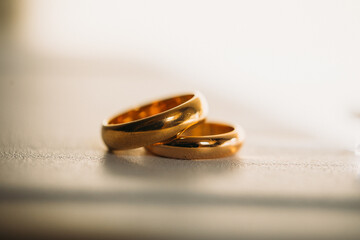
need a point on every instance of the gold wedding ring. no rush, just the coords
(205, 140)
(156, 122)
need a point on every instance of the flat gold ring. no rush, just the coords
(155, 122)
(205, 140)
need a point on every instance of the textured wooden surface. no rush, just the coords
(57, 180)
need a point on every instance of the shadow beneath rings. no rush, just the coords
(141, 164)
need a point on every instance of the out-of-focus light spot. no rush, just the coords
(357, 148)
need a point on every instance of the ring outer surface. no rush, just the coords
(157, 128)
(202, 147)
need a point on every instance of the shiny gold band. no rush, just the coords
(156, 122)
(203, 141)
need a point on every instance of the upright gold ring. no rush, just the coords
(155, 122)
(203, 141)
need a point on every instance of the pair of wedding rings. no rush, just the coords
(173, 127)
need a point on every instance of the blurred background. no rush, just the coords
(296, 62)
(288, 71)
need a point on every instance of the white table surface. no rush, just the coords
(57, 180)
